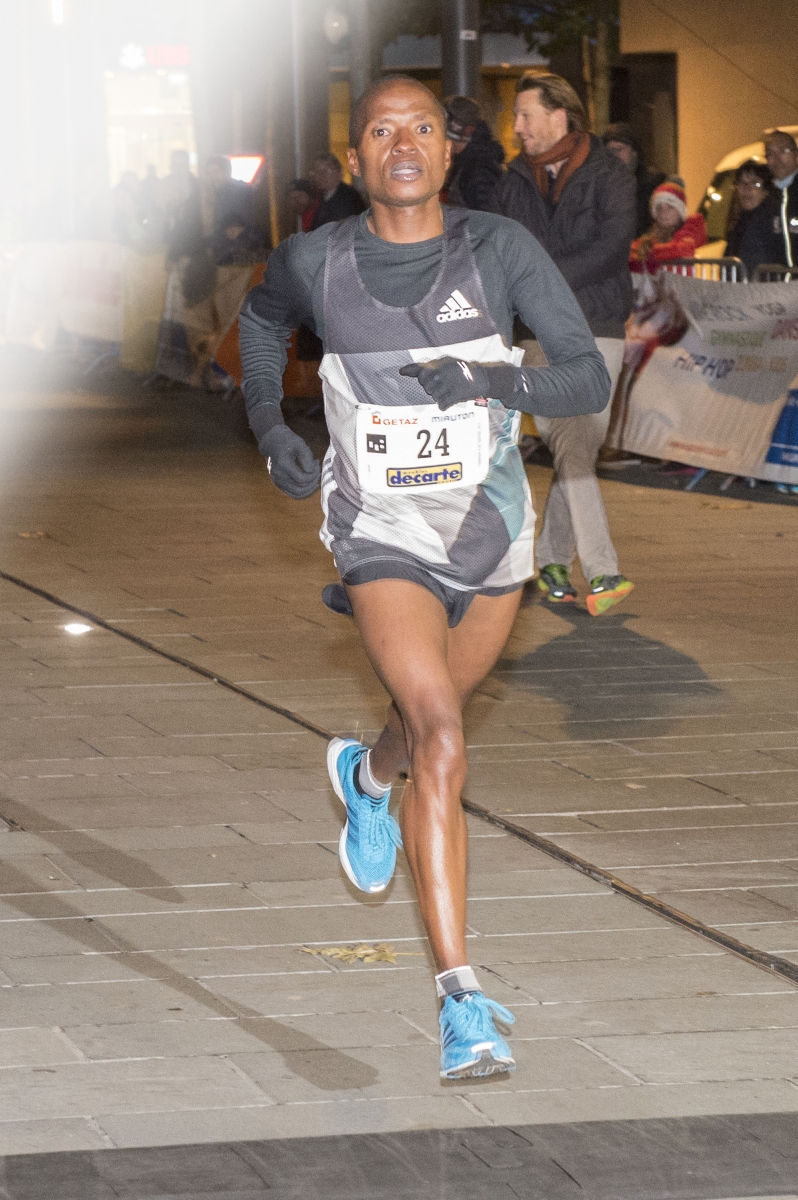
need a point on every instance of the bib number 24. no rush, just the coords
(418, 448)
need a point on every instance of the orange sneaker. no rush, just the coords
(606, 590)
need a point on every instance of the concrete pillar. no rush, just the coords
(461, 51)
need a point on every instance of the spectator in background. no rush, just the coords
(753, 185)
(125, 223)
(578, 200)
(304, 201)
(476, 156)
(338, 199)
(773, 232)
(673, 234)
(180, 189)
(621, 142)
(148, 193)
(213, 245)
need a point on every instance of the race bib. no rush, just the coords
(418, 448)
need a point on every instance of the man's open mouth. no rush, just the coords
(406, 172)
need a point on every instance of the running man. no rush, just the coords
(427, 510)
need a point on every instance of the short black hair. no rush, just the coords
(752, 167)
(358, 119)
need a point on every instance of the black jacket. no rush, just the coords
(344, 202)
(771, 234)
(475, 171)
(748, 238)
(588, 232)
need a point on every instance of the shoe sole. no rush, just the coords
(600, 602)
(336, 746)
(485, 1065)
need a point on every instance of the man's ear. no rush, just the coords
(447, 157)
(352, 161)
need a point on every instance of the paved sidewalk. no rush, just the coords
(170, 858)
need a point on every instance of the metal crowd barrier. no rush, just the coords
(718, 270)
(775, 273)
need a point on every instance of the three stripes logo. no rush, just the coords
(457, 308)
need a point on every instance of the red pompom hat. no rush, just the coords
(671, 191)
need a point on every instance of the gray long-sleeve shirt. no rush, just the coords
(518, 277)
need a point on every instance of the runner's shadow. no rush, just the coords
(608, 678)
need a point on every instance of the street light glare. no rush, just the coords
(75, 627)
(244, 167)
(57, 11)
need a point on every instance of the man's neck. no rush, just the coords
(415, 223)
(786, 181)
(329, 195)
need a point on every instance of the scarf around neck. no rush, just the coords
(573, 148)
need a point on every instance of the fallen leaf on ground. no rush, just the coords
(382, 952)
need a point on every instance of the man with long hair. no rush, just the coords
(579, 201)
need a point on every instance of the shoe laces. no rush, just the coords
(606, 583)
(470, 1017)
(376, 829)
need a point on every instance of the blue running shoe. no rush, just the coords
(470, 1044)
(370, 838)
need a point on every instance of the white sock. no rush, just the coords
(366, 781)
(457, 979)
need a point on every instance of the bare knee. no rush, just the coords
(436, 737)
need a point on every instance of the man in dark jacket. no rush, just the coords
(772, 236)
(338, 199)
(476, 156)
(580, 202)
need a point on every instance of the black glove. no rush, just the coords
(451, 380)
(291, 464)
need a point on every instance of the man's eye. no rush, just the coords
(425, 129)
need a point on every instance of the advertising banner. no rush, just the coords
(722, 396)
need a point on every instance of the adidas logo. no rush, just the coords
(457, 308)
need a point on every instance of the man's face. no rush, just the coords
(326, 177)
(299, 201)
(622, 151)
(403, 155)
(538, 128)
(782, 157)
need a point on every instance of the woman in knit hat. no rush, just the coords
(673, 234)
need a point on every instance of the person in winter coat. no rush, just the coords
(476, 156)
(579, 201)
(772, 236)
(621, 142)
(753, 186)
(338, 199)
(673, 234)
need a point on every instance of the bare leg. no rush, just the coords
(430, 671)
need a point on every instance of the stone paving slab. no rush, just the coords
(610, 1160)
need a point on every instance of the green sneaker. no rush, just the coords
(606, 590)
(553, 581)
